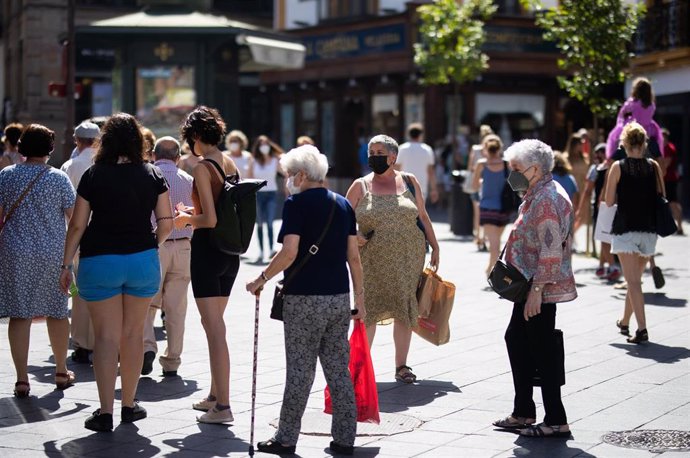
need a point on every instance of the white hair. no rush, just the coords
(307, 159)
(531, 152)
(390, 143)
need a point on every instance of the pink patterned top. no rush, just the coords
(539, 245)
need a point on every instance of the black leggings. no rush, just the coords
(532, 344)
(213, 272)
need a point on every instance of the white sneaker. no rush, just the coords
(216, 416)
(204, 405)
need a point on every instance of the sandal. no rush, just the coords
(68, 382)
(538, 431)
(404, 374)
(24, 392)
(625, 330)
(510, 422)
(640, 336)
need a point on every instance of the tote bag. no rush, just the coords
(434, 327)
(602, 232)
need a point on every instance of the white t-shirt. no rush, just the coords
(267, 171)
(75, 168)
(242, 162)
(415, 158)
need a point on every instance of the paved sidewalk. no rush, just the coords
(462, 387)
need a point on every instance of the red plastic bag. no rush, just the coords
(363, 379)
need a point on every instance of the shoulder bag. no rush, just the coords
(24, 193)
(278, 294)
(665, 224)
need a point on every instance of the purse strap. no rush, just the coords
(28, 188)
(658, 181)
(315, 247)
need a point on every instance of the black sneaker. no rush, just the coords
(99, 421)
(147, 367)
(341, 449)
(169, 373)
(81, 356)
(132, 414)
(275, 448)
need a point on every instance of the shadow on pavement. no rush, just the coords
(657, 352)
(33, 409)
(135, 445)
(362, 452)
(46, 374)
(552, 447)
(661, 299)
(219, 446)
(167, 388)
(398, 397)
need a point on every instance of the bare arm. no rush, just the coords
(206, 216)
(75, 230)
(354, 195)
(426, 222)
(433, 191)
(660, 185)
(281, 261)
(611, 183)
(355, 264)
(164, 218)
(477, 175)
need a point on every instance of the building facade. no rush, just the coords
(360, 79)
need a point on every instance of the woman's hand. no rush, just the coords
(361, 240)
(533, 305)
(256, 286)
(361, 309)
(181, 219)
(66, 278)
(435, 258)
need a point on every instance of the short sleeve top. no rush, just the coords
(305, 214)
(122, 197)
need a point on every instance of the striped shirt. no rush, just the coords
(180, 183)
(536, 243)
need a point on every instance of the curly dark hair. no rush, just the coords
(205, 125)
(12, 132)
(120, 137)
(36, 141)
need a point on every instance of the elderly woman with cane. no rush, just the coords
(539, 247)
(319, 232)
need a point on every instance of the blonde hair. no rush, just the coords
(492, 144)
(561, 164)
(633, 135)
(238, 134)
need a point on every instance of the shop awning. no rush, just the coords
(270, 53)
(265, 48)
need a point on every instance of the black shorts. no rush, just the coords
(213, 272)
(671, 191)
(494, 217)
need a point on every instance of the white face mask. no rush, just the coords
(290, 184)
(265, 148)
(234, 147)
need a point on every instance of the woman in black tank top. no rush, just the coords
(633, 184)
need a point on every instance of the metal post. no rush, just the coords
(67, 141)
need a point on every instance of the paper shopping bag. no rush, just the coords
(363, 379)
(435, 328)
(429, 281)
(602, 231)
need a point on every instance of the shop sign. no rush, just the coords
(516, 39)
(355, 43)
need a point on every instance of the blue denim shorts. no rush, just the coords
(102, 277)
(641, 243)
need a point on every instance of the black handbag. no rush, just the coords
(278, 293)
(560, 355)
(507, 281)
(510, 201)
(665, 224)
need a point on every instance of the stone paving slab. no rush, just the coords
(462, 386)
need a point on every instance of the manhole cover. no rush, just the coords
(317, 423)
(654, 440)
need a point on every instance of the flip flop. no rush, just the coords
(538, 432)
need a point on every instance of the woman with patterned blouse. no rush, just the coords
(539, 247)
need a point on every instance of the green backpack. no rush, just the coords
(235, 212)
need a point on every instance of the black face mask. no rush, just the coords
(378, 164)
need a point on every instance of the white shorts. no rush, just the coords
(642, 243)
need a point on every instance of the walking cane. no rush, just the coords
(256, 351)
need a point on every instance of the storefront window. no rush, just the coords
(327, 146)
(102, 98)
(287, 125)
(164, 96)
(308, 120)
(414, 108)
(385, 114)
(512, 116)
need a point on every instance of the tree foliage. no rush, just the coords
(593, 38)
(451, 36)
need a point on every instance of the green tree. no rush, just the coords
(450, 39)
(593, 37)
